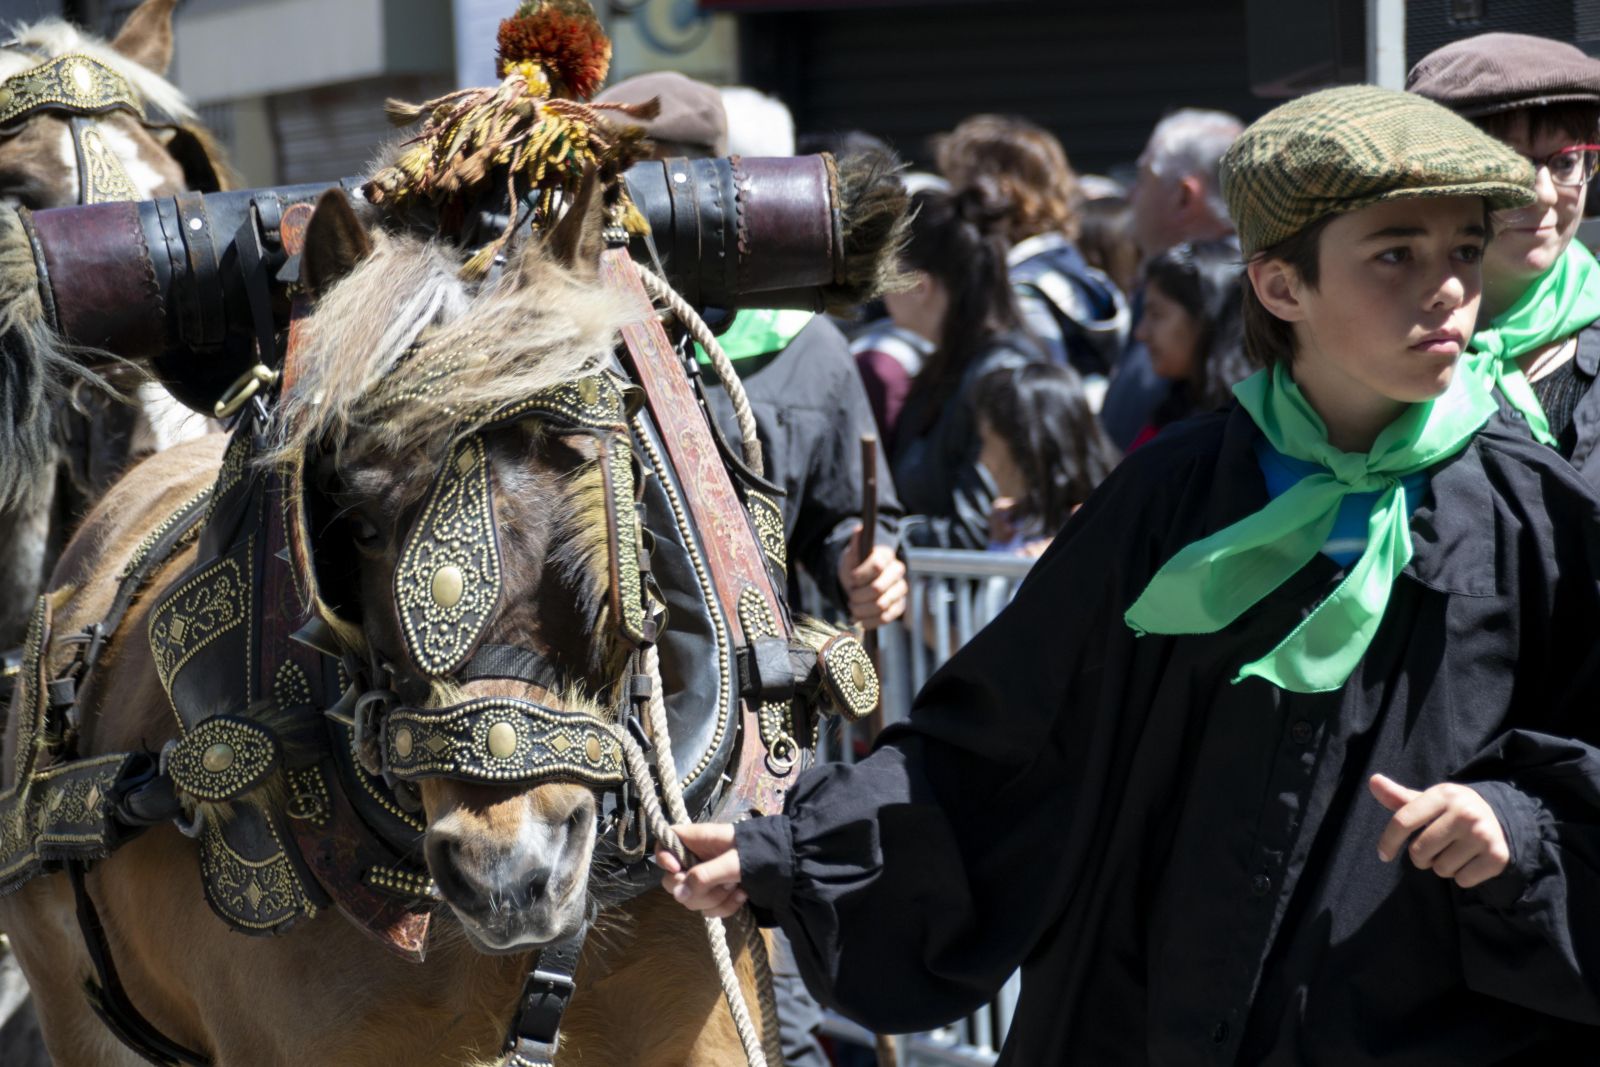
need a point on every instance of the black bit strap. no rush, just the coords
(536, 1031)
(108, 998)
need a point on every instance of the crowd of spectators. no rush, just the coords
(1129, 296)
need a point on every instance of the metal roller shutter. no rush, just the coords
(330, 133)
(1098, 74)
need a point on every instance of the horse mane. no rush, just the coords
(53, 37)
(404, 355)
(37, 369)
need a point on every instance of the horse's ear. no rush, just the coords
(335, 242)
(146, 38)
(579, 238)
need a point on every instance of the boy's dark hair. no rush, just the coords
(1039, 410)
(1269, 340)
(1205, 278)
(1578, 120)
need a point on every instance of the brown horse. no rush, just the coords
(402, 362)
(42, 165)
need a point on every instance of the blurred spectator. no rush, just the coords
(1193, 328)
(1074, 309)
(963, 302)
(1107, 243)
(1177, 197)
(1092, 187)
(890, 354)
(841, 143)
(692, 123)
(1043, 448)
(758, 125)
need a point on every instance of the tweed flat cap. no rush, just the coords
(1347, 148)
(692, 117)
(1496, 72)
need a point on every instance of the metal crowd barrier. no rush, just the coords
(953, 596)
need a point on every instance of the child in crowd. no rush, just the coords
(962, 302)
(1539, 338)
(1043, 448)
(1193, 329)
(1222, 797)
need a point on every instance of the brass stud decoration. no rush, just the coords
(223, 759)
(447, 586)
(503, 740)
(449, 578)
(73, 83)
(217, 758)
(850, 679)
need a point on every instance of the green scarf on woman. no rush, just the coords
(1213, 581)
(1564, 300)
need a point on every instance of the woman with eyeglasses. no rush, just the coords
(1539, 330)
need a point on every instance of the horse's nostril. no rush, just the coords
(445, 863)
(538, 883)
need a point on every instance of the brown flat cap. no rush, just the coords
(1496, 72)
(692, 118)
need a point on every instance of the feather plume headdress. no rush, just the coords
(535, 130)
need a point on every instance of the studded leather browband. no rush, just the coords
(77, 84)
(501, 740)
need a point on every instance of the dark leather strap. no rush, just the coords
(536, 1031)
(510, 663)
(110, 1000)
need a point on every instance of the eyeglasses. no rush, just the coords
(1572, 165)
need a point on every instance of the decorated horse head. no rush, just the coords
(85, 121)
(462, 459)
(82, 121)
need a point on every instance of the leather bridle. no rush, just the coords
(83, 90)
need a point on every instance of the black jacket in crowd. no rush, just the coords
(1186, 869)
(1572, 404)
(811, 411)
(936, 454)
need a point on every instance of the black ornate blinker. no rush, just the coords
(450, 576)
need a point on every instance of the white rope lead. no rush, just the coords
(716, 929)
(660, 290)
(660, 736)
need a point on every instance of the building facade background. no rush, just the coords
(295, 88)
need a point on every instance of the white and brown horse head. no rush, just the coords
(464, 458)
(81, 120)
(133, 127)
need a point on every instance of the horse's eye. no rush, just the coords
(364, 532)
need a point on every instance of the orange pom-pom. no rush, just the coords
(565, 37)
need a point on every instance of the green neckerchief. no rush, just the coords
(1210, 583)
(1564, 300)
(758, 332)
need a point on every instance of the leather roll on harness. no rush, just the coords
(182, 284)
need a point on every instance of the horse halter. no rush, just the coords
(83, 89)
(447, 583)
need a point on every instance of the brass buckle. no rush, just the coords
(246, 386)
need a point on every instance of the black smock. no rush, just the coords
(811, 412)
(1186, 869)
(1575, 413)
